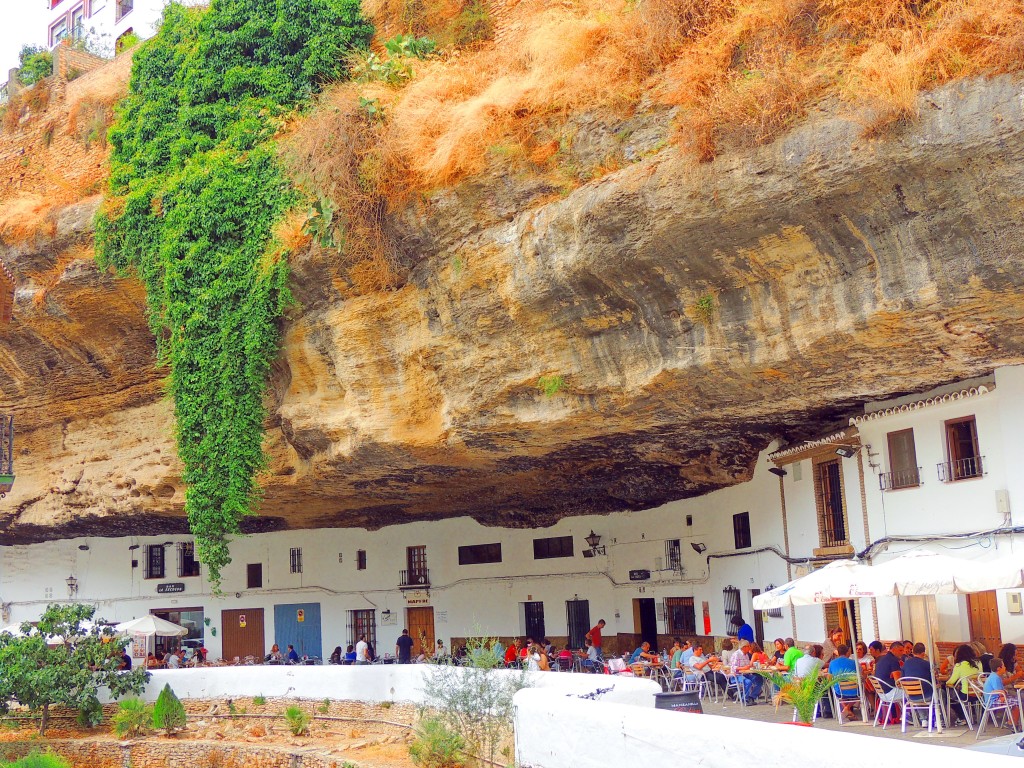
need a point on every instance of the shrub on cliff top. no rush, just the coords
(195, 193)
(39, 760)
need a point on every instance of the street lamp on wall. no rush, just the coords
(594, 542)
(72, 583)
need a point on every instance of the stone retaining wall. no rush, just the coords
(151, 753)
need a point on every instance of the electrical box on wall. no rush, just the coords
(1003, 502)
(1013, 603)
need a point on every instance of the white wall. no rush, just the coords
(374, 683)
(625, 736)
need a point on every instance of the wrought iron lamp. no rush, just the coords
(72, 583)
(594, 542)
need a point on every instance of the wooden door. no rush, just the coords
(984, 619)
(242, 633)
(421, 629)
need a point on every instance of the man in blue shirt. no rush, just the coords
(918, 666)
(293, 656)
(887, 665)
(643, 653)
(842, 664)
(744, 632)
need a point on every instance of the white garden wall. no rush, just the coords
(371, 683)
(616, 735)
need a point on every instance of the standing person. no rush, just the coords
(744, 632)
(594, 636)
(403, 648)
(361, 651)
(830, 648)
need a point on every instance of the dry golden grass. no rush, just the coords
(741, 71)
(26, 217)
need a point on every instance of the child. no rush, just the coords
(995, 689)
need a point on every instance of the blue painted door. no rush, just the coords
(298, 624)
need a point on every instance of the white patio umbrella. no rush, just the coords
(920, 573)
(150, 626)
(840, 580)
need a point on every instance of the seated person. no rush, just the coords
(172, 660)
(699, 664)
(126, 660)
(917, 665)
(337, 656)
(688, 649)
(293, 655)
(842, 664)
(152, 662)
(758, 656)
(591, 661)
(275, 653)
(810, 661)
(565, 658)
(887, 665)
(643, 653)
(350, 654)
(789, 658)
(995, 688)
(742, 665)
(512, 652)
(965, 665)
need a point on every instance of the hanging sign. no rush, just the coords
(171, 588)
(639, 575)
(417, 597)
(300, 615)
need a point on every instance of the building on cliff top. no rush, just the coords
(936, 470)
(102, 22)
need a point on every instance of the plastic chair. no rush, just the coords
(916, 700)
(993, 704)
(843, 697)
(886, 700)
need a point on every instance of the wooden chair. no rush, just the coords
(916, 700)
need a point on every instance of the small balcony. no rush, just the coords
(417, 579)
(904, 478)
(961, 469)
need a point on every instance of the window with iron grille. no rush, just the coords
(555, 546)
(187, 563)
(673, 555)
(361, 560)
(741, 530)
(830, 502)
(965, 460)
(903, 471)
(680, 616)
(295, 557)
(476, 554)
(155, 561)
(731, 598)
(363, 622)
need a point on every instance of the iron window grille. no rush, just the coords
(187, 563)
(363, 622)
(155, 561)
(555, 546)
(731, 598)
(295, 559)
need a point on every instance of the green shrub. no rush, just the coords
(90, 713)
(195, 193)
(259, 701)
(325, 707)
(298, 721)
(168, 712)
(40, 760)
(36, 63)
(133, 718)
(436, 745)
(410, 46)
(550, 385)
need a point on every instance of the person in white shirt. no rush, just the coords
(361, 648)
(173, 660)
(807, 663)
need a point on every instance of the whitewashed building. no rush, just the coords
(936, 470)
(101, 22)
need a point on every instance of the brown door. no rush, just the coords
(421, 629)
(242, 633)
(984, 618)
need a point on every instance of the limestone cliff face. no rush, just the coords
(840, 270)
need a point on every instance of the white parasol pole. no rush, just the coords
(932, 654)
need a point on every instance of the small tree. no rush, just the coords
(475, 700)
(169, 712)
(58, 662)
(36, 63)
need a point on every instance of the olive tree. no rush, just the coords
(62, 662)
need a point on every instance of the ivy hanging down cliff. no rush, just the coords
(195, 194)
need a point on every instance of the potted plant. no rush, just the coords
(804, 693)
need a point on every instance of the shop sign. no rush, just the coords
(417, 597)
(170, 588)
(639, 575)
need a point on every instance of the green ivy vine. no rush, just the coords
(195, 192)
